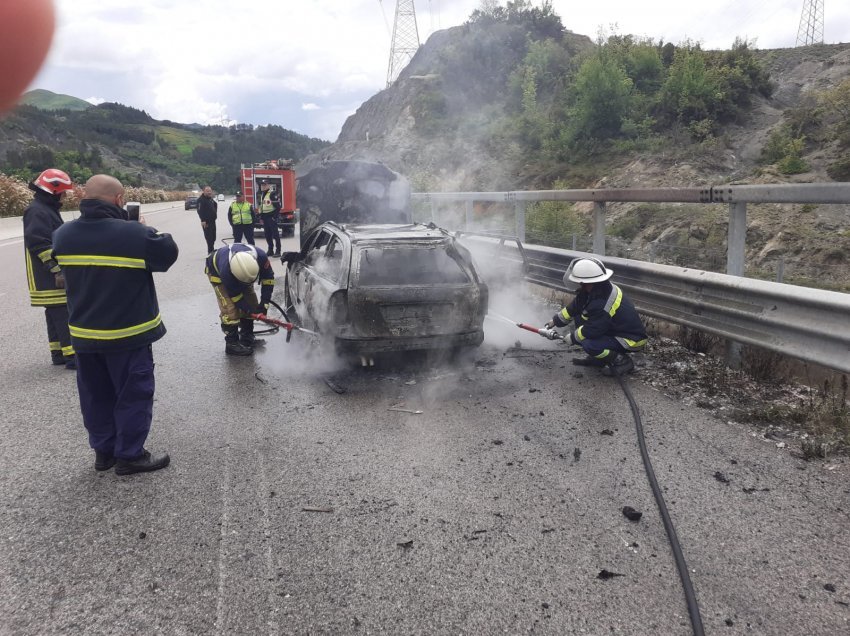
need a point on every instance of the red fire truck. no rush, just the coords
(281, 175)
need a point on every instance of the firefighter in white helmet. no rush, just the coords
(232, 271)
(607, 325)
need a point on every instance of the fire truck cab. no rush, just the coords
(280, 174)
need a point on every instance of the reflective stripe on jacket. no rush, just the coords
(218, 270)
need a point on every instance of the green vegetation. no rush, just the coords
(141, 150)
(48, 100)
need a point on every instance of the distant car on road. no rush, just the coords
(220, 197)
(192, 202)
(380, 288)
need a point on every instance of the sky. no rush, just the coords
(308, 65)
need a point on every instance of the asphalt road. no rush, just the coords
(292, 509)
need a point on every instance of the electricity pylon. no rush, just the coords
(405, 39)
(811, 23)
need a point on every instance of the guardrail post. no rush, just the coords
(652, 251)
(519, 208)
(575, 241)
(599, 228)
(736, 249)
(780, 270)
(468, 215)
(433, 211)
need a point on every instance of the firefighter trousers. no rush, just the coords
(57, 331)
(116, 398)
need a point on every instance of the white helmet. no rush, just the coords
(587, 270)
(244, 266)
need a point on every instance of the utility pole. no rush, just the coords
(405, 39)
(811, 23)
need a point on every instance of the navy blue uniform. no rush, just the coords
(41, 218)
(606, 321)
(113, 318)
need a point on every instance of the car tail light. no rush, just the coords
(339, 307)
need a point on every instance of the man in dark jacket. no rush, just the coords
(232, 271)
(44, 277)
(114, 317)
(269, 210)
(208, 213)
(608, 326)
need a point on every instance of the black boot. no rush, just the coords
(246, 333)
(620, 365)
(71, 362)
(144, 463)
(232, 346)
(588, 362)
(103, 461)
(57, 358)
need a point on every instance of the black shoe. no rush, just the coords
(57, 358)
(145, 463)
(237, 349)
(620, 365)
(103, 461)
(71, 363)
(588, 362)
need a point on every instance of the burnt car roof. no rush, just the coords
(392, 232)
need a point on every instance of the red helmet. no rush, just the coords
(54, 181)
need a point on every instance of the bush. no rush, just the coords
(14, 196)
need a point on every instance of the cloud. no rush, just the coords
(310, 106)
(95, 101)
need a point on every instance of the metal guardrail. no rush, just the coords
(808, 324)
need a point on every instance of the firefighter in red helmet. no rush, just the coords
(45, 279)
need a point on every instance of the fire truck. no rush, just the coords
(280, 174)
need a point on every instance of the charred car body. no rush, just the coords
(373, 280)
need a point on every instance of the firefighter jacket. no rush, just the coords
(240, 213)
(604, 311)
(207, 209)
(218, 270)
(108, 264)
(41, 218)
(269, 203)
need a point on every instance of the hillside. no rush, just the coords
(48, 100)
(136, 148)
(515, 101)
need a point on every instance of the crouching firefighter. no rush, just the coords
(233, 270)
(607, 325)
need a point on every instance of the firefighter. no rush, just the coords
(232, 271)
(109, 262)
(607, 325)
(241, 218)
(44, 276)
(269, 209)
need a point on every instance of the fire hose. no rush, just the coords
(290, 327)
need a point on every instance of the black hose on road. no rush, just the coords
(679, 557)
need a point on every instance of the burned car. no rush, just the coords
(393, 287)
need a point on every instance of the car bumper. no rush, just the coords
(380, 345)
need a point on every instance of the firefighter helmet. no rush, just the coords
(53, 181)
(244, 266)
(587, 270)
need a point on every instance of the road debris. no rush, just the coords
(497, 442)
(606, 431)
(316, 509)
(397, 410)
(723, 479)
(829, 587)
(631, 514)
(605, 575)
(576, 454)
(405, 544)
(335, 387)
(260, 378)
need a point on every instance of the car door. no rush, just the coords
(305, 278)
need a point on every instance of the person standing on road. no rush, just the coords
(241, 218)
(269, 210)
(44, 276)
(208, 213)
(607, 325)
(232, 271)
(114, 318)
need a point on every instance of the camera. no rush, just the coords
(133, 210)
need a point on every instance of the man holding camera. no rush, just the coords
(114, 318)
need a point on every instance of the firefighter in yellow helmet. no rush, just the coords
(607, 325)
